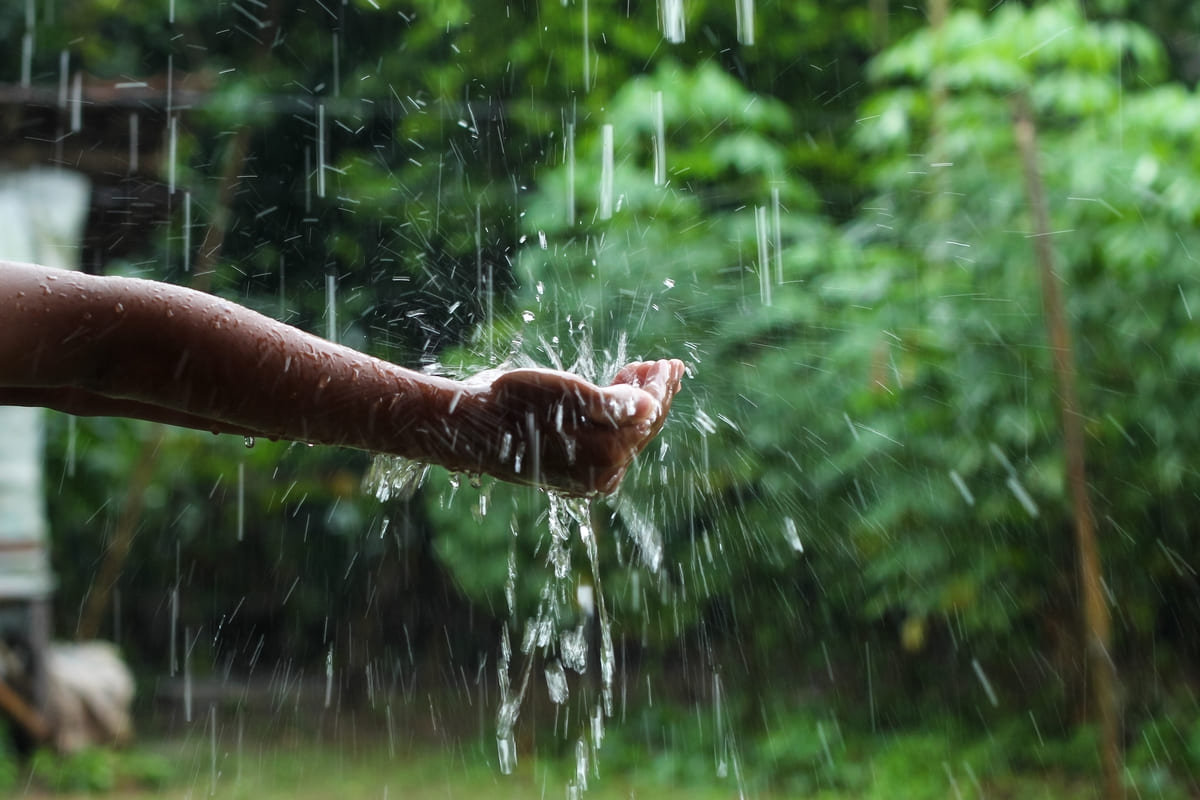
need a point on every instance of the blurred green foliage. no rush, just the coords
(866, 453)
(97, 770)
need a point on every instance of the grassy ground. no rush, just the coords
(348, 756)
(306, 771)
(299, 767)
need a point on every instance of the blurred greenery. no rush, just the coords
(860, 492)
(97, 770)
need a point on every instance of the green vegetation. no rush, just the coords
(98, 770)
(812, 758)
(861, 496)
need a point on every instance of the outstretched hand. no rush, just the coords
(563, 432)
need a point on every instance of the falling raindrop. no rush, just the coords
(133, 142)
(77, 102)
(26, 59)
(72, 438)
(187, 674)
(660, 141)
(606, 172)
(792, 535)
(722, 767)
(64, 60)
(212, 748)
(1022, 495)
(764, 265)
(187, 236)
(570, 160)
(337, 64)
(587, 56)
(581, 764)
(172, 148)
(241, 495)
(984, 682)
(671, 20)
(962, 487)
(745, 21)
(778, 235)
(329, 676)
(320, 150)
(174, 654)
(331, 332)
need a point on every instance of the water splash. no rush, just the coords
(556, 681)
(510, 706)
(644, 532)
(394, 477)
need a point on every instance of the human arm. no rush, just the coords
(129, 347)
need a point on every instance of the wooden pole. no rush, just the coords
(22, 713)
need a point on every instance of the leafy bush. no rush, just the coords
(90, 770)
(97, 769)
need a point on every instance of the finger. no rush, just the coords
(639, 373)
(659, 378)
(623, 404)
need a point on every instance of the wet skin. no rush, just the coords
(127, 347)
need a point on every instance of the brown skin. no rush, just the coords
(127, 347)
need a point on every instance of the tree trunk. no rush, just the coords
(1097, 621)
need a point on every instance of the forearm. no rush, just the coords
(162, 352)
(135, 348)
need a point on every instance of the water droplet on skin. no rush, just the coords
(119, 308)
(248, 441)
